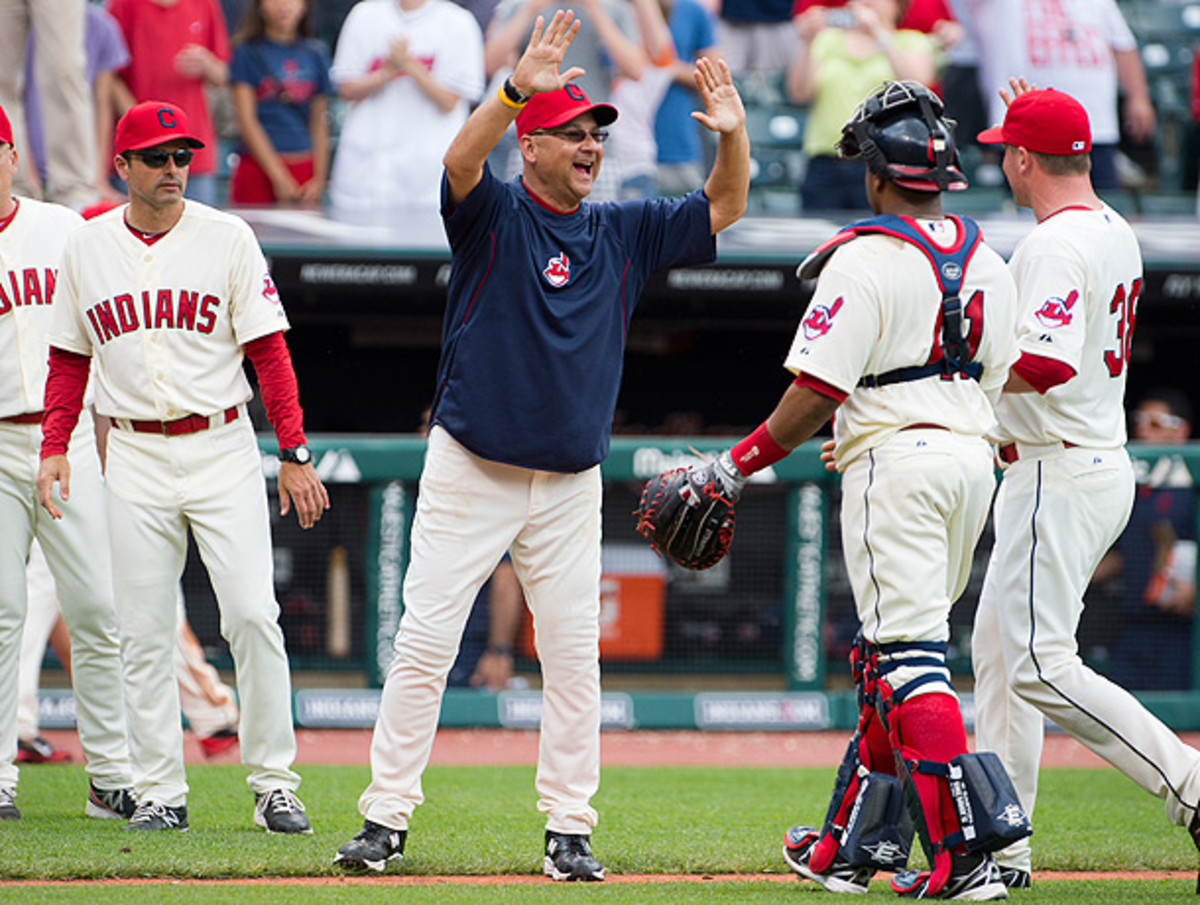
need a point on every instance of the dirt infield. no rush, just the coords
(645, 748)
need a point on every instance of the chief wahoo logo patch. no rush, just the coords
(820, 319)
(1056, 312)
(558, 271)
(270, 293)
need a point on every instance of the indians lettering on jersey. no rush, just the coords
(1056, 312)
(27, 287)
(166, 309)
(558, 271)
(820, 319)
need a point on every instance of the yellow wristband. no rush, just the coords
(506, 102)
(510, 97)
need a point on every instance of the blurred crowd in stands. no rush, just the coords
(350, 105)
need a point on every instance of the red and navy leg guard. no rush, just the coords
(924, 729)
(866, 823)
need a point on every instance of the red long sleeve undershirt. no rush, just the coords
(63, 399)
(277, 382)
(269, 354)
(1042, 373)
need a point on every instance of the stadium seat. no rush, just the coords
(1152, 20)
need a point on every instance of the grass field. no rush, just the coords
(483, 821)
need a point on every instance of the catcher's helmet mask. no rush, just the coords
(900, 131)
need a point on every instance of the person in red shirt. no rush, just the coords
(177, 47)
(933, 17)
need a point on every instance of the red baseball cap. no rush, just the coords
(5, 128)
(1046, 121)
(153, 123)
(548, 109)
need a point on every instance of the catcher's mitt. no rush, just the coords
(687, 515)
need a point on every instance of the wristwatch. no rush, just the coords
(297, 454)
(515, 97)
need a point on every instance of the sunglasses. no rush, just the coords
(157, 158)
(1158, 419)
(577, 136)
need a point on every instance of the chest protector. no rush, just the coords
(948, 268)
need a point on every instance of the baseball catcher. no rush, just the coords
(687, 513)
(896, 342)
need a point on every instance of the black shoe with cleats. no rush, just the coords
(840, 876)
(153, 816)
(280, 811)
(569, 857)
(973, 878)
(8, 807)
(372, 848)
(111, 804)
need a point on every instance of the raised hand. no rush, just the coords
(537, 70)
(1019, 86)
(723, 110)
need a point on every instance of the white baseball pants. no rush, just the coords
(912, 512)
(469, 512)
(212, 483)
(206, 701)
(77, 550)
(1055, 516)
(41, 612)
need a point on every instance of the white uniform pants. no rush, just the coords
(77, 549)
(41, 612)
(1055, 516)
(469, 512)
(912, 512)
(212, 482)
(206, 701)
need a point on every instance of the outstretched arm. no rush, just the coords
(535, 72)
(729, 182)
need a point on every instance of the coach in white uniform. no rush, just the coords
(32, 235)
(168, 297)
(1068, 483)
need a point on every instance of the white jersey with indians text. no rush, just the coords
(165, 323)
(1079, 276)
(876, 307)
(30, 250)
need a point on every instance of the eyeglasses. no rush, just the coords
(1158, 419)
(576, 136)
(157, 159)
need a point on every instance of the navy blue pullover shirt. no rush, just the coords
(537, 313)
